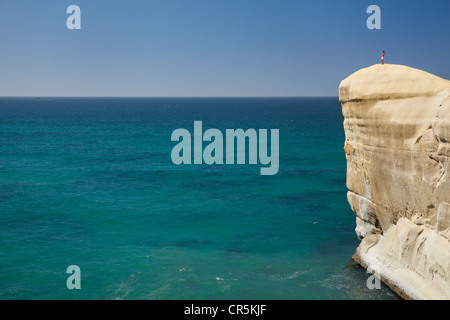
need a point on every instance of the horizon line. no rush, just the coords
(167, 97)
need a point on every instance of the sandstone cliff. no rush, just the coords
(397, 144)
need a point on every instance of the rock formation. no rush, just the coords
(397, 144)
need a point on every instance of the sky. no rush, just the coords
(211, 48)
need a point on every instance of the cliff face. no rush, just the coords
(397, 144)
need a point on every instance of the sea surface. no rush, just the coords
(90, 182)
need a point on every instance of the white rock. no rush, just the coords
(397, 145)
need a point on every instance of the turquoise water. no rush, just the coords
(90, 182)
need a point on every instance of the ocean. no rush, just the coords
(90, 182)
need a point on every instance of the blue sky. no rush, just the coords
(211, 47)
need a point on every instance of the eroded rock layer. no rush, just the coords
(397, 144)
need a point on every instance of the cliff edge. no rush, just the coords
(397, 145)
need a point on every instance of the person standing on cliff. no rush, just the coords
(382, 58)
